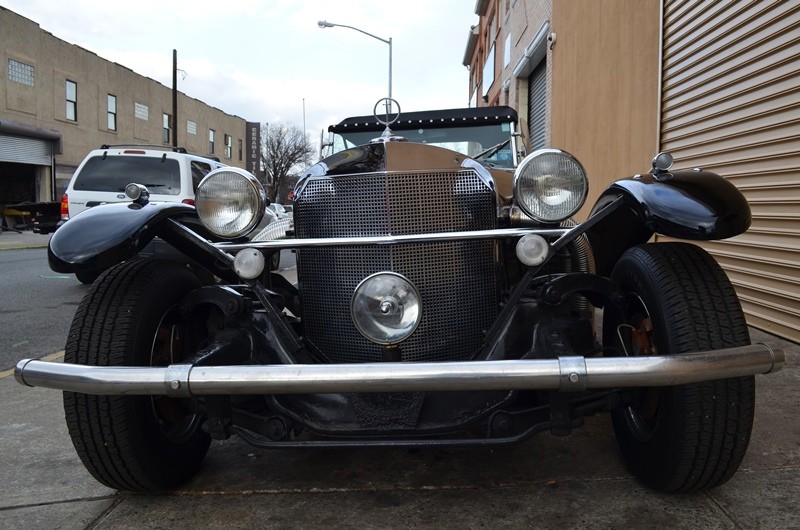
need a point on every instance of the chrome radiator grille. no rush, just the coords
(457, 280)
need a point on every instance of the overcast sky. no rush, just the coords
(267, 60)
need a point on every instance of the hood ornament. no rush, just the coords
(390, 117)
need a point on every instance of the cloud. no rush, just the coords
(269, 61)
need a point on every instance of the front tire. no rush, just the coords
(129, 317)
(688, 437)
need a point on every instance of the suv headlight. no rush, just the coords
(550, 185)
(230, 202)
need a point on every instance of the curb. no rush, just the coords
(24, 240)
(20, 247)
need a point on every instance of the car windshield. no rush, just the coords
(470, 141)
(112, 173)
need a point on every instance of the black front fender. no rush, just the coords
(106, 235)
(686, 204)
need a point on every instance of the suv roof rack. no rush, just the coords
(181, 150)
(148, 146)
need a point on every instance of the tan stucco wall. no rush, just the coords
(602, 77)
(605, 92)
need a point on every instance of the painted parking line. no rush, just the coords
(57, 356)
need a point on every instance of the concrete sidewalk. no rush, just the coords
(10, 239)
(571, 482)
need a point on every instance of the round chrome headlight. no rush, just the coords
(230, 202)
(386, 308)
(550, 185)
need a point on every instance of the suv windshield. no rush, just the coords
(469, 131)
(113, 173)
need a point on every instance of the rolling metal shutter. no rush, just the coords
(26, 150)
(537, 106)
(731, 104)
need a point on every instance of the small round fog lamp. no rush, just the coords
(532, 250)
(386, 308)
(249, 263)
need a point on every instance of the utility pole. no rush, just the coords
(174, 98)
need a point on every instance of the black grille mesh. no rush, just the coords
(456, 280)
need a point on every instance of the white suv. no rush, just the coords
(170, 174)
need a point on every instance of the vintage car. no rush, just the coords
(439, 300)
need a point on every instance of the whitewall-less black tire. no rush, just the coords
(678, 299)
(130, 317)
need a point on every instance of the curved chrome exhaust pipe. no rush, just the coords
(567, 374)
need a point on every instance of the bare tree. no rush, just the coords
(285, 151)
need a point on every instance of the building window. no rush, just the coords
(488, 73)
(20, 72)
(240, 149)
(191, 127)
(211, 141)
(72, 101)
(165, 121)
(112, 112)
(228, 146)
(141, 111)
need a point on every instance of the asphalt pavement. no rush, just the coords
(576, 481)
(10, 239)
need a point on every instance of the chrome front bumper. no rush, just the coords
(567, 374)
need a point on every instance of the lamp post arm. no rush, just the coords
(389, 41)
(326, 24)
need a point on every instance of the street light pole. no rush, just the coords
(325, 24)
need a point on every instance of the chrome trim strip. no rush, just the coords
(565, 374)
(501, 233)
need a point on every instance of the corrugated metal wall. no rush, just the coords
(731, 104)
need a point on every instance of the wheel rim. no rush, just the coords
(175, 417)
(635, 336)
